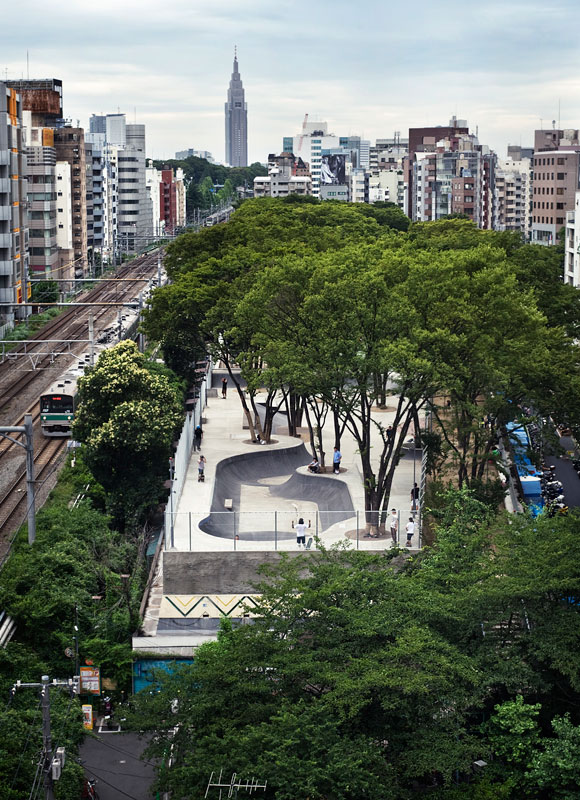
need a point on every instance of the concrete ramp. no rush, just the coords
(253, 469)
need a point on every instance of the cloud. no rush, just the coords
(368, 68)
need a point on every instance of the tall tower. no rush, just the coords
(236, 121)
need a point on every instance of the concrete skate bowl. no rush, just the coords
(238, 474)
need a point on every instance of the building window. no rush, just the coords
(559, 191)
(561, 162)
(559, 220)
(561, 176)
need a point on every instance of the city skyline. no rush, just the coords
(507, 68)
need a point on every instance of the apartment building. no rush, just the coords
(424, 140)
(451, 175)
(69, 144)
(555, 182)
(513, 196)
(14, 266)
(41, 113)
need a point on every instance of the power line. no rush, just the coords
(116, 788)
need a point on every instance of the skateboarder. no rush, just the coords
(201, 469)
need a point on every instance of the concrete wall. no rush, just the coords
(215, 573)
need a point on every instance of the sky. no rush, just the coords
(368, 68)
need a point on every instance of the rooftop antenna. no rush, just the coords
(234, 785)
(559, 101)
(27, 67)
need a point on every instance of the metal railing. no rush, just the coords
(276, 529)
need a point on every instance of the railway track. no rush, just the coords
(48, 455)
(16, 384)
(71, 325)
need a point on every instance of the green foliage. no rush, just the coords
(200, 177)
(44, 292)
(127, 418)
(366, 676)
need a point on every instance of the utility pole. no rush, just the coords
(46, 739)
(51, 767)
(92, 339)
(28, 445)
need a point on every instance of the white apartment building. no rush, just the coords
(64, 231)
(180, 196)
(357, 186)
(572, 245)
(309, 146)
(387, 186)
(153, 183)
(513, 196)
(280, 183)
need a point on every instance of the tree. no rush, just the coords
(44, 292)
(127, 417)
(333, 692)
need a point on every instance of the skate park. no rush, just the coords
(219, 531)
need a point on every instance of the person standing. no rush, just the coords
(394, 525)
(201, 469)
(336, 459)
(390, 434)
(410, 529)
(224, 387)
(414, 497)
(300, 532)
(197, 434)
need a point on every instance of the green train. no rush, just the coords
(57, 406)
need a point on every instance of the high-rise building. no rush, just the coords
(513, 195)
(452, 174)
(69, 144)
(14, 286)
(556, 181)
(41, 113)
(236, 112)
(424, 140)
(126, 205)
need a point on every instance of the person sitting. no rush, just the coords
(314, 466)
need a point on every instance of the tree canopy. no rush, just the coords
(333, 307)
(373, 676)
(126, 418)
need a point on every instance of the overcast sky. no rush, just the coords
(367, 67)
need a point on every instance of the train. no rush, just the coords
(57, 406)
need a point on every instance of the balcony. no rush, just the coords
(4, 185)
(4, 158)
(5, 240)
(6, 267)
(5, 213)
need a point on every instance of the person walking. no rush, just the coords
(336, 459)
(410, 529)
(201, 469)
(224, 387)
(197, 434)
(394, 525)
(300, 528)
(414, 497)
